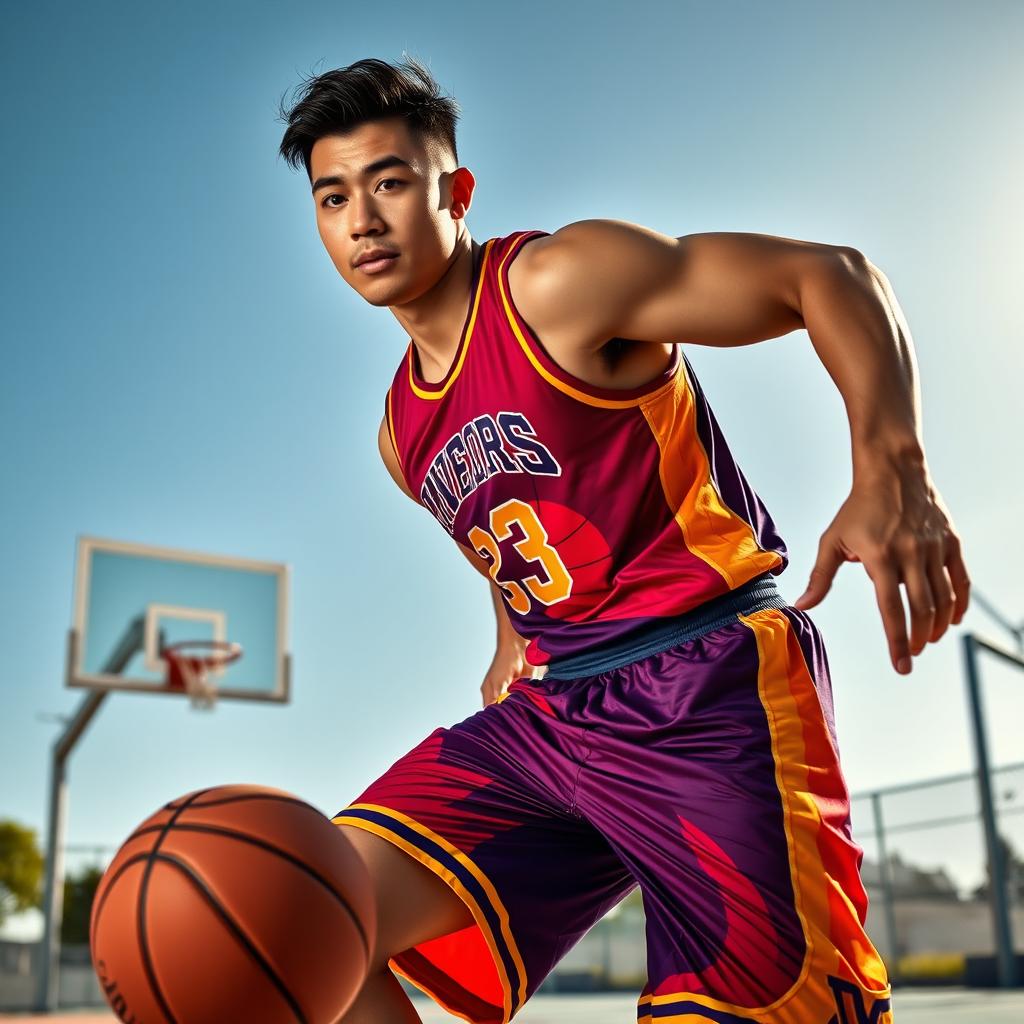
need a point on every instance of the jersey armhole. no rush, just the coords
(557, 376)
(390, 422)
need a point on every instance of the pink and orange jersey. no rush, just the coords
(595, 510)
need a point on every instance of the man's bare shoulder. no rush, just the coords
(596, 279)
(576, 252)
(570, 283)
(591, 244)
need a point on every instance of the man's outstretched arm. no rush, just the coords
(594, 280)
(894, 521)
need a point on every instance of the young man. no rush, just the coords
(681, 737)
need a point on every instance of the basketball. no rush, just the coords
(236, 903)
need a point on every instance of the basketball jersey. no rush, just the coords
(595, 510)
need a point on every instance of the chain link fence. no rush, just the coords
(927, 874)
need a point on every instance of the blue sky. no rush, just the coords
(183, 366)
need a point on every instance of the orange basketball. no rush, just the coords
(237, 903)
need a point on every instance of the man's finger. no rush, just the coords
(942, 591)
(890, 604)
(958, 577)
(824, 571)
(922, 603)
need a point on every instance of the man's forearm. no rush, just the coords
(862, 338)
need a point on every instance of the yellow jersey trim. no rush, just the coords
(463, 342)
(453, 882)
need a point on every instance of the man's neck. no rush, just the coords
(434, 321)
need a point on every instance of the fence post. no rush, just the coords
(1005, 960)
(888, 899)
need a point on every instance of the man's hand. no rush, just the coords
(896, 524)
(509, 664)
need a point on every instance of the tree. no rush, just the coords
(21, 869)
(79, 891)
(1013, 867)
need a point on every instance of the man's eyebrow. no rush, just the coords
(391, 160)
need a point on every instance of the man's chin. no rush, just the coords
(386, 293)
(382, 299)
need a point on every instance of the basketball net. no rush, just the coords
(191, 672)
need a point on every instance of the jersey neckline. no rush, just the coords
(437, 389)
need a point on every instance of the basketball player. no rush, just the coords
(681, 736)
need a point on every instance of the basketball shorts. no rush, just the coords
(699, 762)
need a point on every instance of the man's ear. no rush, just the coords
(461, 184)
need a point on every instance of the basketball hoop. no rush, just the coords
(190, 672)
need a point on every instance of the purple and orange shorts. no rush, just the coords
(699, 762)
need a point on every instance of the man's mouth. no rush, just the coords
(377, 265)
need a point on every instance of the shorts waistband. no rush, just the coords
(660, 634)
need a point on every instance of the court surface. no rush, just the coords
(936, 1006)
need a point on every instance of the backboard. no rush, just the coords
(132, 601)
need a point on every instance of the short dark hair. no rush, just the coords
(338, 101)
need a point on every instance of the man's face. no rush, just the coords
(405, 208)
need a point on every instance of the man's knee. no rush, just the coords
(413, 904)
(381, 998)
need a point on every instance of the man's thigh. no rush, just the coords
(485, 806)
(716, 779)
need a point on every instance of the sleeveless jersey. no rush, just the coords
(594, 510)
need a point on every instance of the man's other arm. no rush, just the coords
(509, 661)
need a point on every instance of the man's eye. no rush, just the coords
(334, 195)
